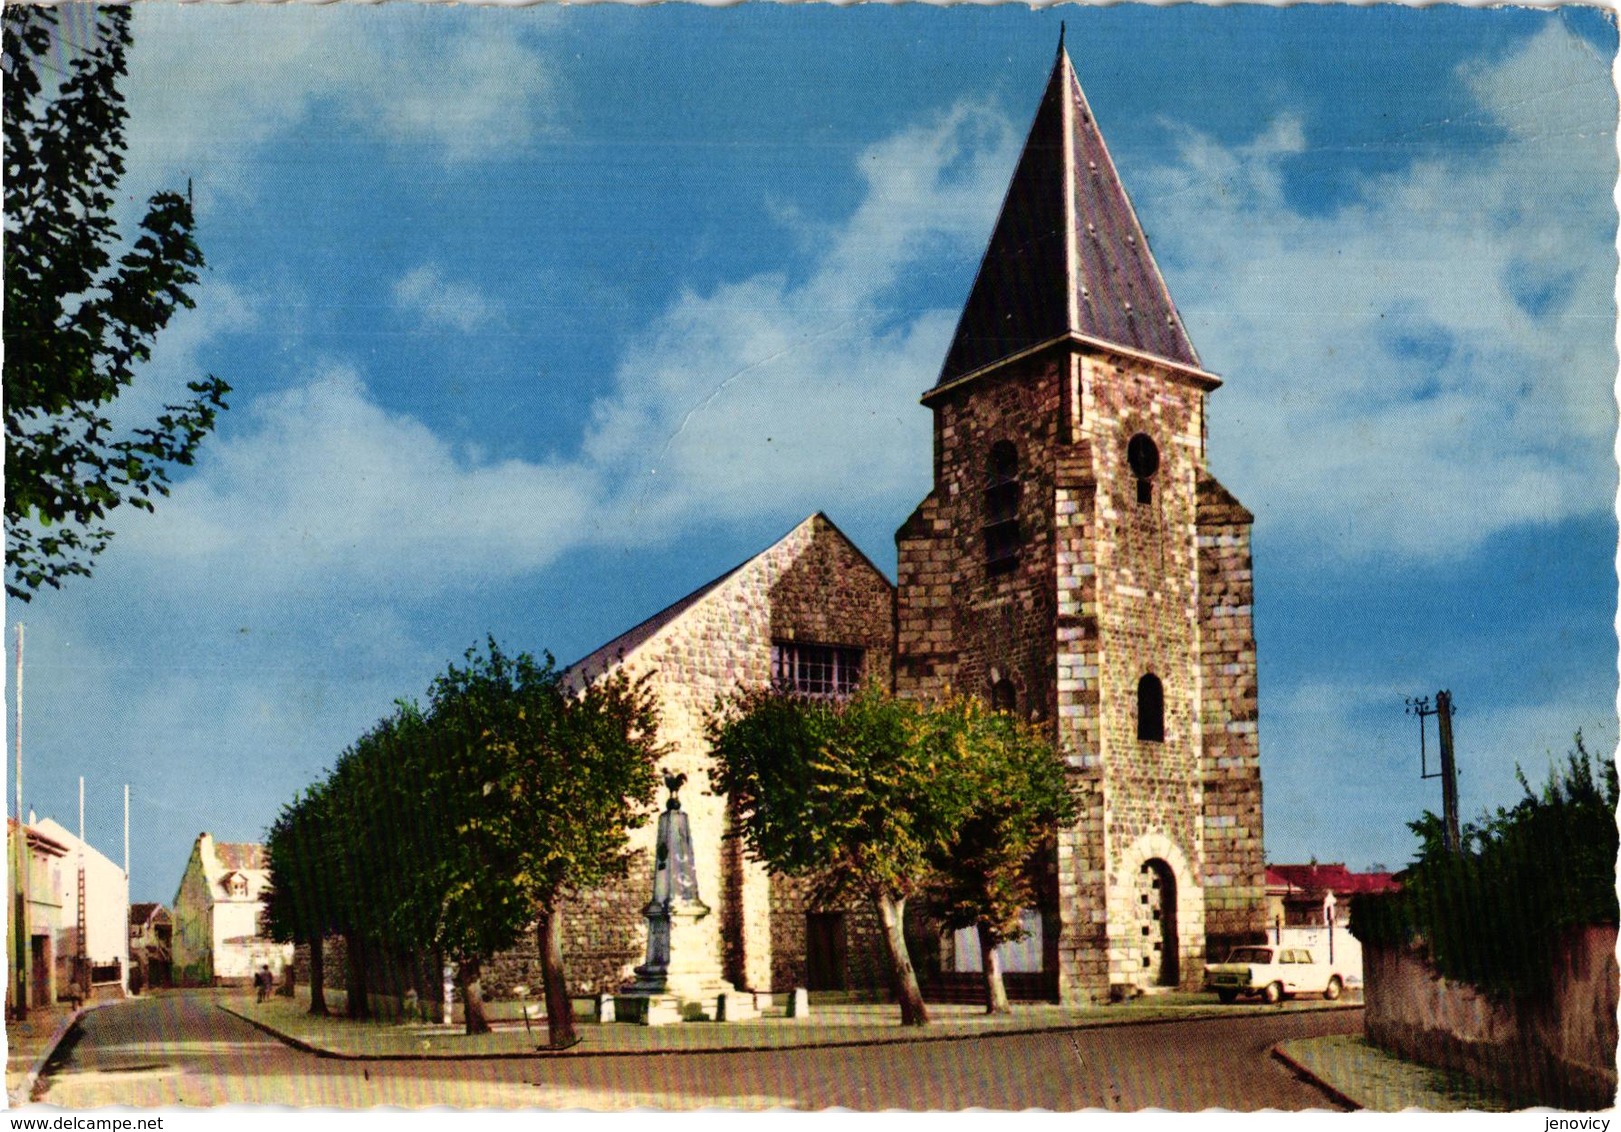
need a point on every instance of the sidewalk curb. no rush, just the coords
(1333, 1093)
(576, 1051)
(24, 1092)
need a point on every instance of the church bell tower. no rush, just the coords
(1077, 563)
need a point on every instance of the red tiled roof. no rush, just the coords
(142, 912)
(241, 855)
(1334, 877)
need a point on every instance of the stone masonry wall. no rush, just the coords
(958, 626)
(1106, 590)
(865, 967)
(812, 586)
(1235, 860)
(1147, 623)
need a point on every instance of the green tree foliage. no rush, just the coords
(76, 325)
(1493, 914)
(305, 905)
(859, 796)
(1020, 796)
(448, 830)
(548, 780)
(578, 771)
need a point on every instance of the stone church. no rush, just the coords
(1075, 562)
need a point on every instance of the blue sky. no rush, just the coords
(539, 318)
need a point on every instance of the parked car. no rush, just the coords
(1273, 974)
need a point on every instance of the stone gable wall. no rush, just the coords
(1230, 763)
(813, 587)
(866, 968)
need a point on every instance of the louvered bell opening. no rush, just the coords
(1002, 491)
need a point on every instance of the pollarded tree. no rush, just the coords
(458, 831)
(858, 796)
(307, 877)
(576, 769)
(1019, 797)
(424, 835)
(76, 326)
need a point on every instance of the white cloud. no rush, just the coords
(769, 394)
(325, 490)
(467, 87)
(1432, 362)
(438, 301)
(760, 397)
(221, 308)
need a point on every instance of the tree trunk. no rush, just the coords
(468, 973)
(317, 978)
(355, 992)
(991, 966)
(289, 982)
(890, 914)
(560, 1032)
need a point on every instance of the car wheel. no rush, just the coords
(1272, 994)
(1332, 991)
(1227, 997)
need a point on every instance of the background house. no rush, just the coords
(43, 916)
(151, 935)
(106, 913)
(218, 914)
(1312, 894)
(1310, 906)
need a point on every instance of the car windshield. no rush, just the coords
(1250, 955)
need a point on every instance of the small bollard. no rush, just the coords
(799, 1004)
(605, 1008)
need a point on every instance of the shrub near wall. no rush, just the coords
(1498, 959)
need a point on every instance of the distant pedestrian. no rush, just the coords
(264, 982)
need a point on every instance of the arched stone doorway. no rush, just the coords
(1157, 928)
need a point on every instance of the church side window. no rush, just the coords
(1142, 455)
(1002, 508)
(816, 670)
(1150, 709)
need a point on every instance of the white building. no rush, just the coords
(106, 911)
(217, 916)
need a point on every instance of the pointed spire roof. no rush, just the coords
(1068, 256)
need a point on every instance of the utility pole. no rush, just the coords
(125, 973)
(82, 958)
(1420, 706)
(20, 921)
(1449, 770)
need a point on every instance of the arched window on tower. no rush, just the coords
(1150, 709)
(1003, 696)
(1002, 508)
(1142, 455)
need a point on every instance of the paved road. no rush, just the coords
(180, 1050)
